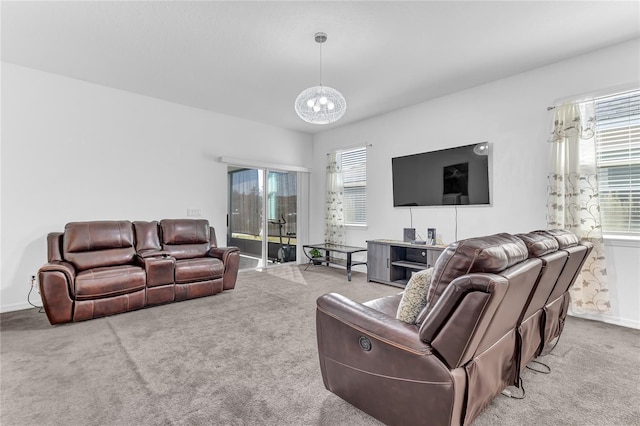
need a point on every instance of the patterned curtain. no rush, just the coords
(573, 200)
(334, 216)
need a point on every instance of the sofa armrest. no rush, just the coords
(359, 338)
(223, 253)
(456, 324)
(379, 364)
(158, 266)
(57, 290)
(372, 322)
(65, 268)
(230, 257)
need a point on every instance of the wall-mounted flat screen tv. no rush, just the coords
(453, 176)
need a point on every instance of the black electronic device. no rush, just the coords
(409, 234)
(453, 176)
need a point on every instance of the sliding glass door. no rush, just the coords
(262, 216)
(245, 228)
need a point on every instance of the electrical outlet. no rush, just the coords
(194, 212)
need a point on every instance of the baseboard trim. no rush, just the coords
(623, 322)
(18, 307)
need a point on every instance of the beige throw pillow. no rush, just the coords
(415, 296)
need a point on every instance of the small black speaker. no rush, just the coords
(409, 235)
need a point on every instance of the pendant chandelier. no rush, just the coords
(320, 104)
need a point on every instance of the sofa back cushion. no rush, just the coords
(147, 236)
(539, 243)
(491, 254)
(565, 238)
(544, 246)
(185, 238)
(89, 245)
(578, 254)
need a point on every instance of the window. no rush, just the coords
(354, 175)
(618, 162)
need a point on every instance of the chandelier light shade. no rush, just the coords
(320, 104)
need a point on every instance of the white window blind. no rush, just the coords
(618, 162)
(354, 175)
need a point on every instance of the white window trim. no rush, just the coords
(359, 226)
(621, 240)
(612, 235)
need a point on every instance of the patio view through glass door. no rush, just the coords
(262, 216)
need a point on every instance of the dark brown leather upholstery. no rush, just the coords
(230, 259)
(184, 239)
(54, 247)
(489, 254)
(89, 245)
(147, 236)
(197, 273)
(160, 278)
(109, 281)
(199, 269)
(543, 245)
(108, 267)
(555, 310)
(486, 294)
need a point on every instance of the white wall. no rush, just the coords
(512, 115)
(78, 151)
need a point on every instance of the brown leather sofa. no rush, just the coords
(102, 268)
(493, 305)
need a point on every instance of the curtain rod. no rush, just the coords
(586, 97)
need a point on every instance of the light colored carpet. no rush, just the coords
(249, 357)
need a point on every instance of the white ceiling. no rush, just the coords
(251, 59)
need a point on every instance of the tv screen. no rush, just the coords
(453, 176)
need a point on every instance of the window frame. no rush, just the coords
(351, 156)
(607, 157)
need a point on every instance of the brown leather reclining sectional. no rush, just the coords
(102, 268)
(493, 305)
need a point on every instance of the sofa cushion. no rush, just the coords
(185, 231)
(489, 254)
(90, 245)
(147, 235)
(565, 238)
(414, 297)
(109, 281)
(185, 238)
(539, 243)
(199, 269)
